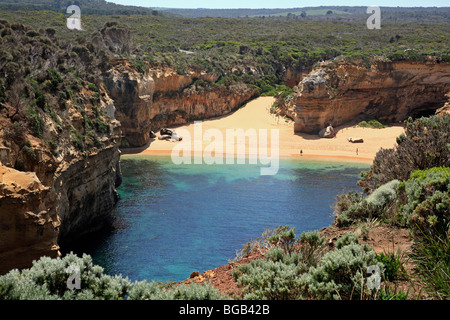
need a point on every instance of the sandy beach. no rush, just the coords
(256, 115)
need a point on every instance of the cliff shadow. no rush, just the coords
(135, 150)
(308, 136)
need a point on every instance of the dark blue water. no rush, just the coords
(175, 219)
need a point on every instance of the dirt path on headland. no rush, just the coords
(256, 115)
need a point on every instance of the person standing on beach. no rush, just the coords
(356, 151)
(301, 152)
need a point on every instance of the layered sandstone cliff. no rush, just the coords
(51, 200)
(343, 92)
(161, 97)
(29, 225)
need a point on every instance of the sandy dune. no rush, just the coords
(255, 115)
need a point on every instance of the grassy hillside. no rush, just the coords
(219, 44)
(88, 6)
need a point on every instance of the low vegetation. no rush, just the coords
(43, 78)
(262, 49)
(374, 124)
(49, 279)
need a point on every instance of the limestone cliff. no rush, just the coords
(132, 93)
(343, 92)
(162, 97)
(52, 198)
(197, 102)
(29, 226)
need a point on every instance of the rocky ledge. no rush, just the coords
(50, 199)
(161, 97)
(337, 93)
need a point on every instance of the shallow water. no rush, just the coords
(172, 219)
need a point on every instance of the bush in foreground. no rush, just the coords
(424, 145)
(428, 201)
(432, 260)
(48, 279)
(339, 274)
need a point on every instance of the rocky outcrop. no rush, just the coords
(86, 194)
(132, 93)
(28, 223)
(161, 97)
(327, 132)
(445, 109)
(196, 103)
(344, 92)
(50, 201)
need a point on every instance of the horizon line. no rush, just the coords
(293, 7)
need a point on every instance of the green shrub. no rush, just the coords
(394, 265)
(48, 279)
(144, 290)
(311, 247)
(431, 258)
(35, 121)
(424, 145)
(284, 237)
(342, 204)
(273, 278)
(383, 194)
(28, 149)
(354, 207)
(346, 239)
(77, 139)
(428, 201)
(38, 96)
(92, 87)
(100, 124)
(55, 79)
(196, 292)
(341, 274)
(393, 292)
(375, 124)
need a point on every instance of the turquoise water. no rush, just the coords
(172, 219)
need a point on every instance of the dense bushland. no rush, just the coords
(42, 77)
(256, 48)
(332, 274)
(283, 274)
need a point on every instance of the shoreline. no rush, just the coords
(255, 115)
(132, 152)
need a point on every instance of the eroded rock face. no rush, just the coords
(163, 98)
(347, 92)
(86, 194)
(28, 221)
(445, 109)
(196, 104)
(53, 201)
(132, 93)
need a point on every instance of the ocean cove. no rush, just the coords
(173, 219)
